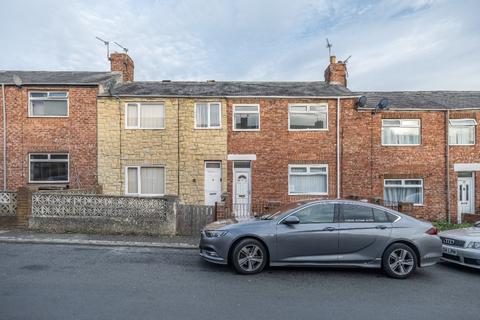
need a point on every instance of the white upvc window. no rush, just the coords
(246, 117)
(308, 117)
(145, 180)
(48, 104)
(403, 190)
(208, 115)
(144, 116)
(401, 132)
(311, 179)
(48, 167)
(461, 132)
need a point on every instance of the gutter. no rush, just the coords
(233, 97)
(4, 113)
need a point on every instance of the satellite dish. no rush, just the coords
(109, 85)
(362, 101)
(383, 104)
(17, 80)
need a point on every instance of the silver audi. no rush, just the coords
(324, 233)
(462, 246)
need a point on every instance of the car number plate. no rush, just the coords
(450, 251)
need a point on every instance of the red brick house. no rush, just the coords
(316, 140)
(49, 123)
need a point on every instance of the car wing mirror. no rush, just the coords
(477, 224)
(291, 220)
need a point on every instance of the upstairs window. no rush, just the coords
(207, 115)
(48, 167)
(144, 116)
(307, 179)
(308, 117)
(400, 132)
(403, 190)
(246, 117)
(48, 104)
(461, 131)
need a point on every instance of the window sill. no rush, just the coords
(401, 145)
(246, 130)
(213, 128)
(35, 117)
(307, 130)
(129, 128)
(308, 194)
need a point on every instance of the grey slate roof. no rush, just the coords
(424, 100)
(56, 77)
(230, 89)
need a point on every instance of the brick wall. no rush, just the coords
(75, 134)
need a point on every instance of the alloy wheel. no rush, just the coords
(250, 257)
(401, 262)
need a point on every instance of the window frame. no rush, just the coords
(246, 105)
(309, 166)
(403, 185)
(401, 126)
(139, 182)
(474, 126)
(49, 160)
(30, 106)
(208, 127)
(308, 105)
(139, 105)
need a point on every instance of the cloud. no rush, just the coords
(395, 45)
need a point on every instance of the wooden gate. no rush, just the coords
(192, 218)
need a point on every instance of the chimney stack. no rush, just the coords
(121, 62)
(336, 72)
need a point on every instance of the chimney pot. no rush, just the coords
(333, 59)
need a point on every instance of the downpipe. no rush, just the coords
(4, 113)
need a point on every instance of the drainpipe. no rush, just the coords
(338, 149)
(4, 109)
(447, 166)
(178, 148)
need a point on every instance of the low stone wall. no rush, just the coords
(87, 213)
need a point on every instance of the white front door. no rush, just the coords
(241, 190)
(213, 182)
(465, 195)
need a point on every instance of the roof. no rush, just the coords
(230, 89)
(425, 100)
(56, 77)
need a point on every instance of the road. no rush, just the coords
(79, 282)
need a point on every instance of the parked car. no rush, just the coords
(324, 233)
(462, 246)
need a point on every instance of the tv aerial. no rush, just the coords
(329, 47)
(107, 44)
(122, 47)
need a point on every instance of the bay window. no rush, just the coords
(461, 131)
(400, 132)
(145, 180)
(403, 190)
(48, 167)
(308, 179)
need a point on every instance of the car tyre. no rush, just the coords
(249, 256)
(399, 261)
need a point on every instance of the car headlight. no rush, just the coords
(474, 245)
(215, 233)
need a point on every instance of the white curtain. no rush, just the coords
(214, 115)
(132, 182)
(152, 116)
(202, 115)
(397, 135)
(461, 135)
(316, 183)
(152, 180)
(49, 107)
(132, 115)
(403, 194)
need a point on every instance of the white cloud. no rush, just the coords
(395, 45)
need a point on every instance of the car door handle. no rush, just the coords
(382, 227)
(329, 229)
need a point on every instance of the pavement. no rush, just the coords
(100, 282)
(27, 236)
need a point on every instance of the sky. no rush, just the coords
(393, 44)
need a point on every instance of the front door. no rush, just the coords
(465, 194)
(241, 189)
(213, 182)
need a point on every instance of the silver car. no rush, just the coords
(324, 233)
(462, 246)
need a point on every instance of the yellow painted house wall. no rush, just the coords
(182, 149)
